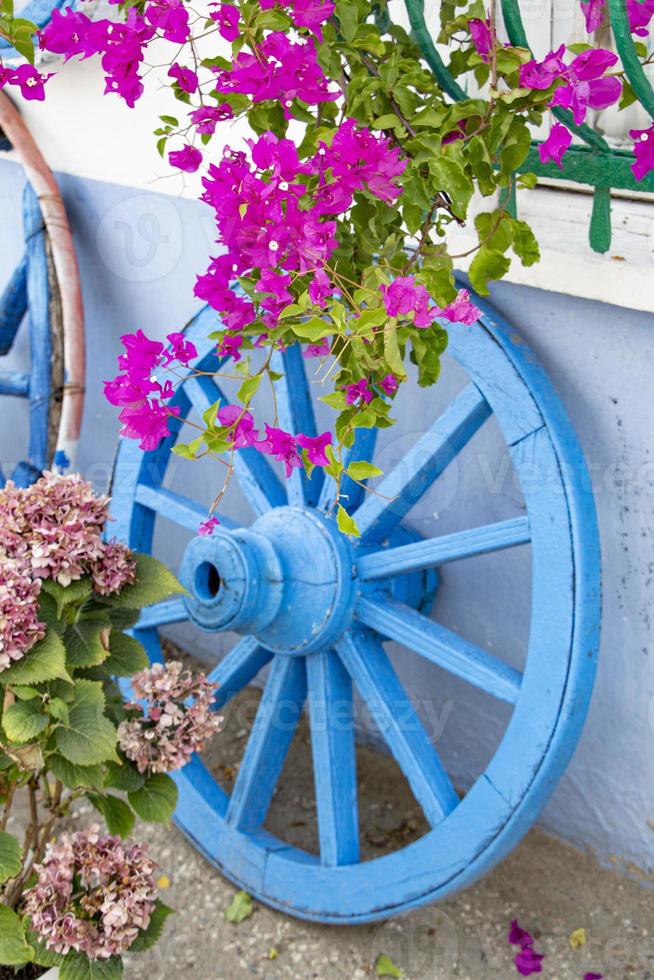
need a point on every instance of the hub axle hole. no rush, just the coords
(207, 581)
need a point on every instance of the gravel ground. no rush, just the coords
(552, 889)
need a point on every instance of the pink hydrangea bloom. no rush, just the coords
(176, 719)
(20, 627)
(114, 569)
(94, 893)
(643, 151)
(556, 144)
(188, 159)
(316, 447)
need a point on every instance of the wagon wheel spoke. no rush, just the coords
(162, 614)
(352, 493)
(405, 485)
(441, 646)
(398, 722)
(14, 383)
(13, 306)
(175, 507)
(270, 737)
(386, 563)
(295, 410)
(334, 758)
(237, 669)
(257, 479)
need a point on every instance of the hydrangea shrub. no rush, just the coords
(67, 598)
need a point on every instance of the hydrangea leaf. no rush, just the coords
(86, 642)
(117, 815)
(240, 908)
(11, 856)
(89, 737)
(126, 655)
(154, 583)
(125, 777)
(44, 662)
(148, 937)
(14, 950)
(155, 802)
(76, 966)
(23, 721)
(73, 776)
(65, 595)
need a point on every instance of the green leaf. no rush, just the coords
(125, 777)
(14, 949)
(64, 595)
(76, 966)
(313, 329)
(346, 524)
(361, 470)
(453, 181)
(58, 709)
(487, 264)
(86, 642)
(525, 245)
(44, 662)
(384, 967)
(89, 737)
(154, 583)
(126, 655)
(240, 908)
(117, 815)
(11, 856)
(155, 802)
(42, 955)
(148, 937)
(75, 777)
(249, 388)
(24, 720)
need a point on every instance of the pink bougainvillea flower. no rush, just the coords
(141, 355)
(360, 158)
(185, 78)
(518, 936)
(228, 346)
(241, 425)
(483, 37)
(188, 159)
(281, 445)
(317, 350)
(389, 384)
(643, 150)
(316, 447)
(358, 392)
(528, 961)
(640, 12)
(593, 976)
(227, 18)
(400, 297)
(206, 528)
(30, 82)
(311, 14)
(320, 288)
(593, 11)
(542, 74)
(170, 17)
(181, 350)
(206, 117)
(67, 33)
(461, 310)
(147, 422)
(556, 144)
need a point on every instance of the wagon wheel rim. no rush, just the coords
(549, 699)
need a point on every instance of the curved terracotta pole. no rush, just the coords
(66, 269)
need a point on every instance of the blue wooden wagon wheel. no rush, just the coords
(32, 297)
(43, 296)
(316, 608)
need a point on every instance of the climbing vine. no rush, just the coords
(333, 221)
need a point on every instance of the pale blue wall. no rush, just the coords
(138, 255)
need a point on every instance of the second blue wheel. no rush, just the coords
(313, 611)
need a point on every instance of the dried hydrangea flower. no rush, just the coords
(20, 627)
(114, 568)
(93, 894)
(177, 718)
